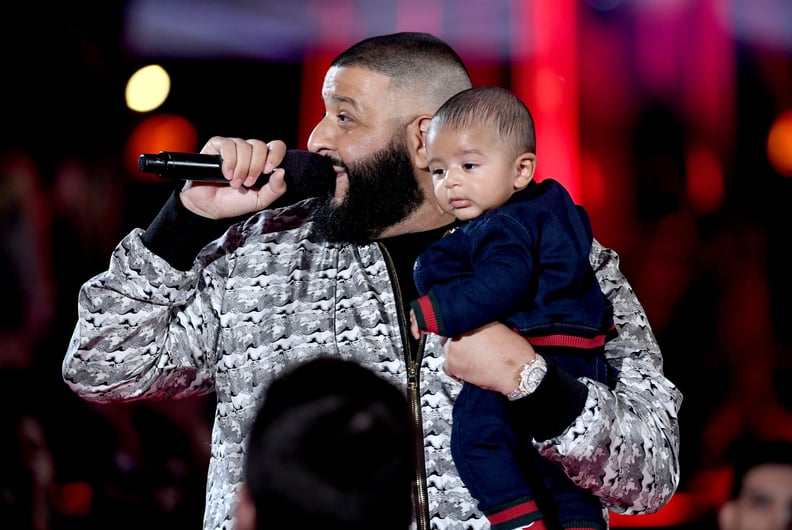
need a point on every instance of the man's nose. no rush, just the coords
(320, 139)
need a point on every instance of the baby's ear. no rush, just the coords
(525, 166)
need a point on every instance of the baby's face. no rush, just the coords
(473, 170)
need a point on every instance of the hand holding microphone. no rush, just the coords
(307, 174)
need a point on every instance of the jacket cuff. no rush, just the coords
(177, 235)
(553, 406)
(425, 315)
(519, 513)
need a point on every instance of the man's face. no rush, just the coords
(765, 502)
(363, 132)
(382, 191)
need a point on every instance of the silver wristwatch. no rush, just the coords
(531, 375)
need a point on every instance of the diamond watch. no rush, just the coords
(531, 375)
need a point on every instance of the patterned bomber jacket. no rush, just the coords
(265, 295)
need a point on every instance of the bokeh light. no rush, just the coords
(779, 144)
(161, 132)
(147, 88)
(705, 186)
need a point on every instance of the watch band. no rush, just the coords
(531, 375)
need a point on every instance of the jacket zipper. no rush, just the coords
(413, 362)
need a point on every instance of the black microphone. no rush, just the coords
(307, 174)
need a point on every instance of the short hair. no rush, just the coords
(493, 107)
(420, 61)
(748, 453)
(332, 447)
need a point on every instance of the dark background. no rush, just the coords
(714, 282)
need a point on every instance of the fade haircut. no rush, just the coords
(414, 60)
(491, 107)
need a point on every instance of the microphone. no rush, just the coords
(307, 174)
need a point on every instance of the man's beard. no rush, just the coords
(382, 191)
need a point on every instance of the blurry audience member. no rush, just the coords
(750, 395)
(87, 209)
(139, 459)
(761, 492)
(27, 289)
(27, 471)
(330, 448)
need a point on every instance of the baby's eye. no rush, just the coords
(438, 172)
(469, 165)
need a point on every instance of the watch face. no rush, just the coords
(531, 376)
(534, 375)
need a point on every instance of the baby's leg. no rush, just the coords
(485, 451)
(570, 505)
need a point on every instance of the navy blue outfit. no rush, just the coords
(525, 264)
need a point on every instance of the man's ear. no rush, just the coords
(245, 510)
(525, 167)
(416, 140)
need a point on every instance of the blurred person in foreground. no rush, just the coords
(331, 448)
(220, 293)
(761, 492)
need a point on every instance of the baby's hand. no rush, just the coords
(416, 333)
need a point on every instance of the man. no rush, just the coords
(761, 495)
(180, 313)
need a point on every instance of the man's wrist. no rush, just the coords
(556, 404)
(531, 375)
(177, 235)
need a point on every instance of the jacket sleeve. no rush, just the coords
(624, 444)
(146, 328)
(487, 283)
